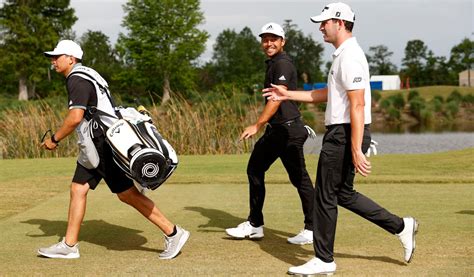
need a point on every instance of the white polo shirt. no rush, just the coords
(349, 71)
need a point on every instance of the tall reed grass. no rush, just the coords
(202, 127)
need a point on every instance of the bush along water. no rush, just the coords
(423, 111)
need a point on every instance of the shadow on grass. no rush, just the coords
(469, 212)
(99, 232)
(370, 258)
(274, 242)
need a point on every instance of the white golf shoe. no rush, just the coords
(314, 266)
(407, 237)
(303, 237)
(244, 230)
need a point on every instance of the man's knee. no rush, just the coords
(79, 190)
(347, 198)
(128, 195)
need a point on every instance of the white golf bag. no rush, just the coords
(141, 152)
(137, 146)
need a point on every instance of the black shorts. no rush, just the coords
(107, 169)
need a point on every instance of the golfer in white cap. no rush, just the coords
(284, 137)
(347, 120)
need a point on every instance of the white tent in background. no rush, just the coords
(389, 82)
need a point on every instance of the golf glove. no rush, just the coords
(311, 132)
(372, 148)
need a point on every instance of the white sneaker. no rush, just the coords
(60, 250)
(174, 244)
(407, 237)
(314, 266)
(304, 237)
(244, 230)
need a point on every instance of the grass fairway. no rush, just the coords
(209, 193)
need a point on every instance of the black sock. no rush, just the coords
(174, 232)
(68, 244)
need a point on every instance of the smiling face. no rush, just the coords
(272, 44)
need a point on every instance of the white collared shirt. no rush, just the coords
(349, 71)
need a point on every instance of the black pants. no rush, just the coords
(285, 142)
(334, 186)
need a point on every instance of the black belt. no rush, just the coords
(289, 122)
(332, 126)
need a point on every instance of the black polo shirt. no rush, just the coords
(81, 94)
(281, 71)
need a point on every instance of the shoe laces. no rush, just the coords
(245, 225)
(168, 243)
(304, 232)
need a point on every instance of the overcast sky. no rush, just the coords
(441, 24)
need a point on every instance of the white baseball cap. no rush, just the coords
(335, 11)
(66, 47)
(272, 28)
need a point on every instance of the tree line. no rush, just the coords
(158, 53)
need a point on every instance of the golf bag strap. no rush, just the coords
(101, 87)
(164, 149)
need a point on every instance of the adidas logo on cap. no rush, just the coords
(272, 28)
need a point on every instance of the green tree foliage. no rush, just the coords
(436, 71)
(305, 52)
(237, 58)
(414, 61)
(462, 57)
(423, 68)
(27, 28)
(99, 54)
(161, 44)
(379, 61)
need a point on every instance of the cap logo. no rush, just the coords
(325, 8)
(269, 27)
(338, 14)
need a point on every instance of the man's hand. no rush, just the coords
(249, 132)
(361, 164)
(276, 93)
(48, 144)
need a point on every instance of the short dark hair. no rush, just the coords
(347, 24)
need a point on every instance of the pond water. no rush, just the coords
(410, 142)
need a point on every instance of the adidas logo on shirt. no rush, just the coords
(282, 78)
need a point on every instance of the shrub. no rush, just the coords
(385, 104)
(468, 98)
(376, 96)
(426, 115)
(397, 101)
(437, 105)
(452, 108)
(439, 97)
(454, 96)
(413, 94)
(322, 107)
(416, 105)
(308, 117)
(393, 114)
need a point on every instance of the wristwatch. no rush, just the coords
(54, 140)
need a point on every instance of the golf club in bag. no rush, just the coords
(137, 146)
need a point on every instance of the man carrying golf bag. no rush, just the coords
(93, 115)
